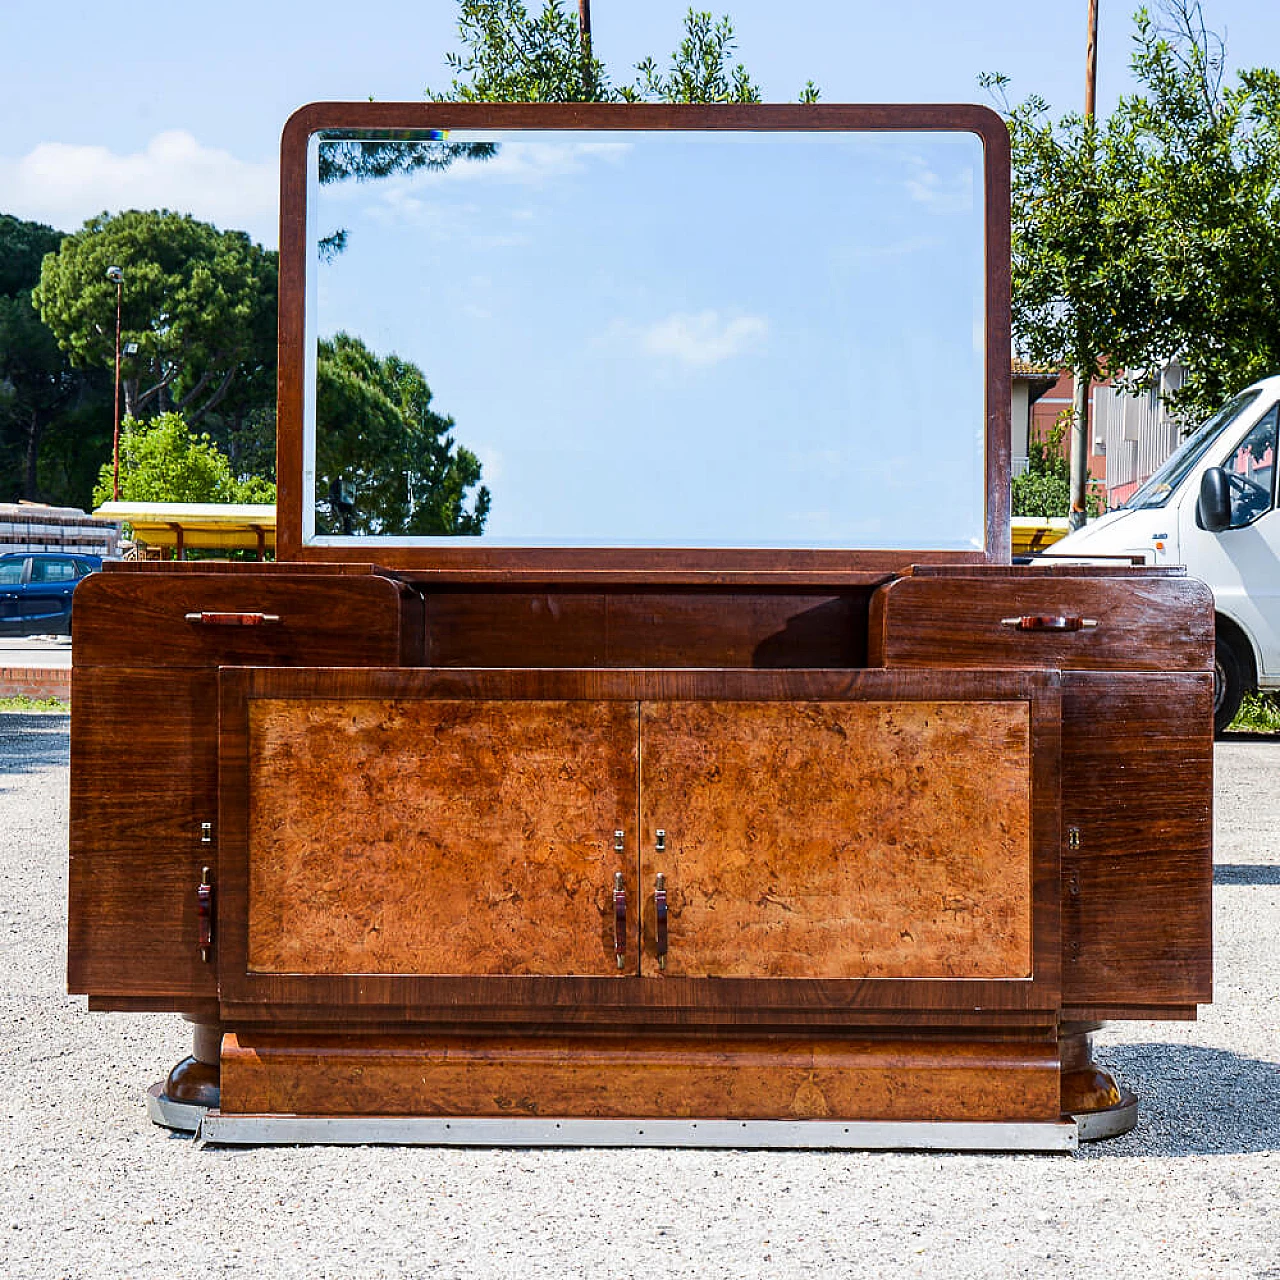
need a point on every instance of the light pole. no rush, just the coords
(116, 276)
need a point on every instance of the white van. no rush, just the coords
(1212, 508)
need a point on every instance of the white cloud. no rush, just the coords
(953, 193)
(532, 162)
(700, 339)
(63, 184)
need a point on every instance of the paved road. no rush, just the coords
(35, 651)
(89, 1189)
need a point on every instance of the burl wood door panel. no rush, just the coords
(838, 839)
(438, 836)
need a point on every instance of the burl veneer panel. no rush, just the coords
(1137, 765)
(839, 839)
(770, 1078)
(437, 836)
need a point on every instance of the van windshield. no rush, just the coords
(1157, 490)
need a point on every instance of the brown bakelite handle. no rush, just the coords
(204, 912)
(660, 919)
(1049, 622)
(619, 919)
(209, 618)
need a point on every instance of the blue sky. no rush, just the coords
(179, 105)
(156, 102)
(741, 363)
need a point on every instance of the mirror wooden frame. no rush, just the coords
(668, 564)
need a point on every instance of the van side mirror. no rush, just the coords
(1213, 510)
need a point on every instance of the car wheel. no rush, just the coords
(1228, 684)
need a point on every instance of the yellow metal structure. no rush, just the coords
(207, 526)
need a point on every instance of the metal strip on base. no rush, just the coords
(185, 1117)
(821, 1135)
(1111, 1123)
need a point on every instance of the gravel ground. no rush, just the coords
(91, 1189)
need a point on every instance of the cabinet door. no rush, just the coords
(429, 836)
(837, 839)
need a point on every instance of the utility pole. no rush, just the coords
(584, 39)
(1080, 399)
(116, 276)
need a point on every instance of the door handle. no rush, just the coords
(660, 918)
(619, 918)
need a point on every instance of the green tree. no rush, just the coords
(1081, 298)
(42, 397)
(378, 434)
(1155, 232)
(199, 303)
(1212, 184)
(162, 461)
(511, 55)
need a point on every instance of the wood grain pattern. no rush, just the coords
(438, 836)
(1138, 786)
(143, 778)
(250, 996)
(870, 839)
(1144, 623)
(295, 249)
(144, 746)
(772, 1078)
(619, 628)
(346, 620)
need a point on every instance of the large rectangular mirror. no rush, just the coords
(675, 337)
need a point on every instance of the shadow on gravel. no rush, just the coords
(1194, 1101)
(1246, 873)
(31, 740)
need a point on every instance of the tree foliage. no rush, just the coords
(512, 55)
(1155, 232)
(1212, 185)
(377, 433)
(199, 303)
(43, 399)
(1043, 491)
(161, 460)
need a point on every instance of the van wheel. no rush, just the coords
(1228, 684)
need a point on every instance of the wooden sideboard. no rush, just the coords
(661, 812)
(880, 853)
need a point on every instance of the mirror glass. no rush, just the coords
(666, 339)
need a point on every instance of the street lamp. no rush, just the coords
(116, 276)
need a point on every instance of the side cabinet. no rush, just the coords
(1135, 649)
(144, 772)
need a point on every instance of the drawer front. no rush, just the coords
(1121, 624)
(223, 619)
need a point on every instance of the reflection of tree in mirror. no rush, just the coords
(381, 448)
(366, 160)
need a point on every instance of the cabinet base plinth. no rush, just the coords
(638, 1078)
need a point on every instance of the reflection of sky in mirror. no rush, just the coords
(690, 340)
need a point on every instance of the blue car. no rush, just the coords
(35, 590)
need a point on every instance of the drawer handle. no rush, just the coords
(1049, 622)
(210, 619)
(619, 918)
